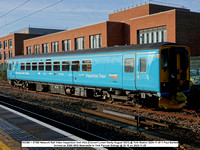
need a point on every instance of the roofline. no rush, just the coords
(126, 48)
(69, 30)
(153, 14)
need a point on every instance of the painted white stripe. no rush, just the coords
(71, 136)
(45, 125)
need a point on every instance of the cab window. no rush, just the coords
(164, 59)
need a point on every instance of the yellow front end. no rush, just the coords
(174, 76)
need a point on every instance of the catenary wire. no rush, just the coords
(14, 9)
(31, 14)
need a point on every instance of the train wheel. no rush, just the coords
(109, 100)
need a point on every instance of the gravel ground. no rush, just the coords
(58, 104)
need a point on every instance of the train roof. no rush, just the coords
(125, 48)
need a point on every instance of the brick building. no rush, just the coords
(149, 23)
(13, 44)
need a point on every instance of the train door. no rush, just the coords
(147, 72)
(10, 70)
(75, 68)
(129, 72)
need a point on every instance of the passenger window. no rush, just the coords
(87, 65)
(65, 65)
(75, 65)
(129, 65)
(143, 65)
(28, 66)
(34, 66)
(22, 66)
(56, 66)
(48, 66)
(10, 66)
(41, 66)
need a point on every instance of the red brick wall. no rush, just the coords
(70, 34)
(139, 11)
(155, 20)
(129, 13)
(114, 37)
(188, 30)
(6, 38)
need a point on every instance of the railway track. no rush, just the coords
(180, 116)
(141, 123)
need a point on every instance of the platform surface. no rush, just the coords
(16, 127)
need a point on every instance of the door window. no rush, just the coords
(129, 65)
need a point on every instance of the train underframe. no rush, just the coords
(111, 95)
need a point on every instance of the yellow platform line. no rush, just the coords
(3, 146)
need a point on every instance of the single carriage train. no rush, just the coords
(148, 73)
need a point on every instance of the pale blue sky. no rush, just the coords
(68, 14)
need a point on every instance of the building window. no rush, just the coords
(79, 43)
(28, 66)
(54, 46)
(87, 65)
(41, 66)
(1, 45)
(56, 66)
(152, 35)
(48, 66)
(5, 44)
(5, 55)
(66, 45)
(45, 48)
(22, 66)
(36, 49)
(10, 54)
(129, 65)
(1, 56)
(10, 43)
(28, 50)
(143, 65)
(95, 41)
(75, 65)
(65, 65)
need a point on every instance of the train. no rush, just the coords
(143, 74)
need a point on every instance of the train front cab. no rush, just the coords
(174, 76)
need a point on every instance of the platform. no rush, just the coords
(16, 127)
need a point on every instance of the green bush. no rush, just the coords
(3, 75)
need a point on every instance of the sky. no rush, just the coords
(68, 14)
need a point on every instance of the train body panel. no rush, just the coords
(107, 71)
(136, 69)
